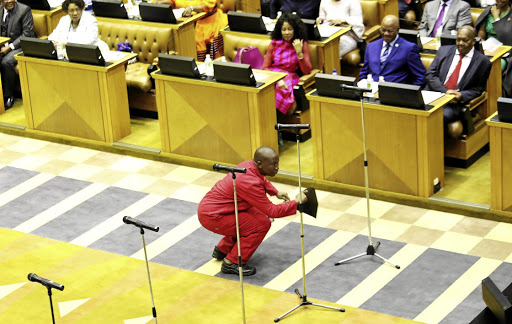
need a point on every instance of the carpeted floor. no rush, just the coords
(79, 196)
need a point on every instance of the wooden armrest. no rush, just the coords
(477, 101)
(371, 33)
(308, 79)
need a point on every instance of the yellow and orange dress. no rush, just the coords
(207, 30)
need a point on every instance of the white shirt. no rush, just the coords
(3, 20)
(391, 45)
(448, 3)
(465, 64)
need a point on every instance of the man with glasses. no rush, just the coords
(17, 21)
(392, 57)
(460, 71)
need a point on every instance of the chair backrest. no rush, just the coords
(233, 42)
(371, 16)
(147, 40)
(40, 25)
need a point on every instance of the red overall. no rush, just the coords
(216, 211)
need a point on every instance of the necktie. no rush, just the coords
(439, 21)
(385, 54)
(5, 24)
(408, 1)
(451, 84)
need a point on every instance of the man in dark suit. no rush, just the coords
(460, 71)
(307, 9)
(392, 57)
(16, 21)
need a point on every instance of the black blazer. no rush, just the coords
(472, 83)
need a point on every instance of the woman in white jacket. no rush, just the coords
(77, 27)
(342, 13)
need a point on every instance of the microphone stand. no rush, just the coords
(304, 298)
(149, 276)
(371, 249)
(51, 303)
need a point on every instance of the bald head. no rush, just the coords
(389, 28)
(266, 160)
(465, 39)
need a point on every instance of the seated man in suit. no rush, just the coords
(445, 16)
(461, 71)
(307, 9)
(16, 22)
(392, 57)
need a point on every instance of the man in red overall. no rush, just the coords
(216, 210)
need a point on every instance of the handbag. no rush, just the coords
(124, 47)
(249, 55)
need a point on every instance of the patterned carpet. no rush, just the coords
(79, 196)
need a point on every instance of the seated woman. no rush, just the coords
(496, 22)
(343, 13)
(288, 52)
(77, 27)
(207, 30)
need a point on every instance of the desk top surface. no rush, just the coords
(119, 61)
(437, 104)
(494, 121)
(181, 22)
(270, 79)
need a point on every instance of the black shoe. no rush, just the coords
(9, 102)
(218, 254)
(232, 268)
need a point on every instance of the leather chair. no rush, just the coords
(475, 134)
(147, 43)
(351, 62)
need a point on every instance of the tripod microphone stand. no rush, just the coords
(142, 225)
(48, 284)
(304, 302)
(371, 249)
(233, 171)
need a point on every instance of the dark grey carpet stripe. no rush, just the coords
(127, 240)
(39, 199)
(90, 213)
(418, 285)
(191, 252)
(329, 282)
(470, 307)
(11, 177)
(281, 250)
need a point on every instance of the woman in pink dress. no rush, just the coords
(288, 52)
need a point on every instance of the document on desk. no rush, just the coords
(112, 56)
(430, 96)
(327, 31)
(259, 76)
(425, 40)
(270, 27)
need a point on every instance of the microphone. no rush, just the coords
(172, 37)
(220, 167)
(291, 126)
(347, 87)
(245, 4)
(141, 224)
(45, 282)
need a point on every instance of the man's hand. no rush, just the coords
(5, 50)
(457, 94)
(283, 196)
(301, 200)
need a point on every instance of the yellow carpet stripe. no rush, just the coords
(381, 276)
(60, 208)
(316, 256)
(458, 291)
(212, 267)
(116, 220)
(24, 187)
(169, 239)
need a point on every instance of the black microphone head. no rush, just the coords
(126, 219)
(277, 126)
(157, 228)
(216, 166)
(30, 276)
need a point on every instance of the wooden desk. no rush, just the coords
(500, 135)
(216, 121)
(74, 99)
(183, 32)
(3, 40)
(328, 50)
(404, 146)
(52, 17)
